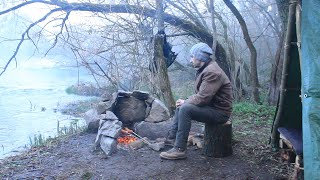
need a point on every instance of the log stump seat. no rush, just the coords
(217, 140)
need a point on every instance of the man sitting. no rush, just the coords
(212, 102)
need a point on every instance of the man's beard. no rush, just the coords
(196, 65)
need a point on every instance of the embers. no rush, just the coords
(126, 137)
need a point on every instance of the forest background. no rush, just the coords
(120, 43)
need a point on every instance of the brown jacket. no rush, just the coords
(213, 88)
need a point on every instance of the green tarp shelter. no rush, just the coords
(299, 101)
(310, 67)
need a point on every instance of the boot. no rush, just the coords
(174, 154)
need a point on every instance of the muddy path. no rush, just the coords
(75, 158)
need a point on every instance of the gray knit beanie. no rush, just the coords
(201, 52)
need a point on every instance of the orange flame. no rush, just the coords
(126, 139)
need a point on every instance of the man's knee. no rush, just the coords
(186, 107)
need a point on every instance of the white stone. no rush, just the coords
(158, 113)
(110, 128)
(108, 145)
(92, 120)
(109, 115)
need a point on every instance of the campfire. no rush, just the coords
(148, 115)
(126, 137)
(130, 136)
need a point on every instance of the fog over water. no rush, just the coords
(25, 92)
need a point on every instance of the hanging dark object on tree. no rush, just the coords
(169, 55)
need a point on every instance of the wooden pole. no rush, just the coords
(287, 47)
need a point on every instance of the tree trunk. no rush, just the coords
(276, 71)
(253, 58)
(161, 74)
(213, 25)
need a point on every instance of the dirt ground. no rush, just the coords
(74, 157)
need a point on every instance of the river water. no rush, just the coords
(29, 97)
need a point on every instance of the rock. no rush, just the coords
(107, 105)
(92, 120)
(107, 96)
(150, 100)
(153, 130)
(137, 144)
(124, 93)
(130, 110)
(108, 116)
(158, 113)
(101, 107)
(142, 95)
(110, 128)
(148, 109)
(108, 145)
(157, 146)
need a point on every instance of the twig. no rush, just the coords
(23, 37)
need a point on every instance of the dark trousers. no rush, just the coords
(182, 121)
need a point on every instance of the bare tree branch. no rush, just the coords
(23, 38)
(63, 24)
(199, 14)
(187, 13)
(196, 31)
(139, 39)
(22, 5)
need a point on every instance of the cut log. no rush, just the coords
(217, 140)
(298, 172)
